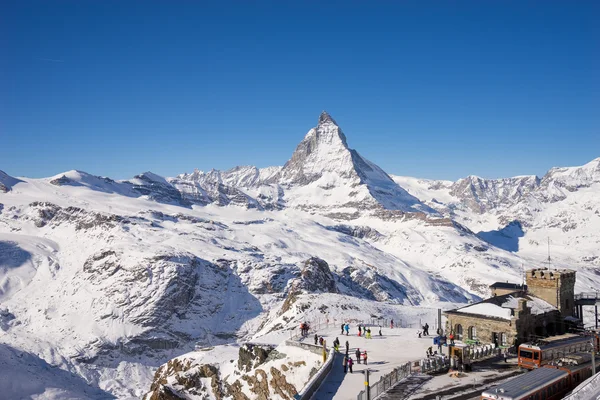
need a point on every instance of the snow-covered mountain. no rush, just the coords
(323, 175)
(110, 279)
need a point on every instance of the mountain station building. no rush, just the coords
(517, 313)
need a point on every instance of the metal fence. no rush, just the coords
(434, 364)
(385, 383)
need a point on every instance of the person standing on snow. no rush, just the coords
(357, 355)
(345, 364)
(359, 330)
(392, 324)
(343, 325)
(347, 327)
(350, 362)
(365, 357)
(347, 347)
(316, 339)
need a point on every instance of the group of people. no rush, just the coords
(336, 345)
(304, 328)
(319, 339)
(366, 331)
(345, 327)
(425, 330)
(348, 362)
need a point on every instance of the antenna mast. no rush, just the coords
(549, 259)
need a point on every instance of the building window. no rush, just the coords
(458, 333)
(503, 339)
(472, 333)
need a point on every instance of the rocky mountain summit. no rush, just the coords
(322, 167)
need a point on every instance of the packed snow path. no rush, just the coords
(394, 348)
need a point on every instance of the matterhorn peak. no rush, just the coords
(325, 118)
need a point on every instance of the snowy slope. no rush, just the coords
(110, 279)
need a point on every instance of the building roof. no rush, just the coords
(503, 306)
(522, 385)
(507, 285)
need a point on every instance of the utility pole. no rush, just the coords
(367, 388)
(549, 259)
(593, 358)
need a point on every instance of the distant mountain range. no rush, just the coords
(109, 279)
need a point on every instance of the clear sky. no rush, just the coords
(438, 89)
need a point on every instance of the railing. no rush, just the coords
(385, 382)
(434, 364)
(587, 296)
(317, 379)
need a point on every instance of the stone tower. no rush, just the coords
(557, 287)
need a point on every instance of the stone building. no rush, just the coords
(517, 313)
(557, 287)
(500, 288)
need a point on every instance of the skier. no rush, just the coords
(347, 328)
(342, 329)
(392, 324)
(358, 355)
(321, 340)
(359, 330)
(316, 339)
(336, 344)
(350, 362)
(368, 333)
(365, 357)
(426, 329)
(347, 347)
(345, 364)
(380, 331)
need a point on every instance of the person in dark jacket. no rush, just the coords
(350, 362)
(357, 355)
(343, 325)
(347, 346)
(345, 364)
(316, 338)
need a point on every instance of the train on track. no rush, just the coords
(545, 351)
(552, 381)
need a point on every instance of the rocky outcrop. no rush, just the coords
(157, 189)
(361, 232)
(183, 377)
(7, 182)
(315, 277)
(252, 356)
(44, 213)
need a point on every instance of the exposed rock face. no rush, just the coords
(316, 277)
(63, 180)
(157, 189)
(185, 377)
(252, 355)
(361, 232)
(44, 213)
(7, 182)
(482, 195)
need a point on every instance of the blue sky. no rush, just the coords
(428, 89)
